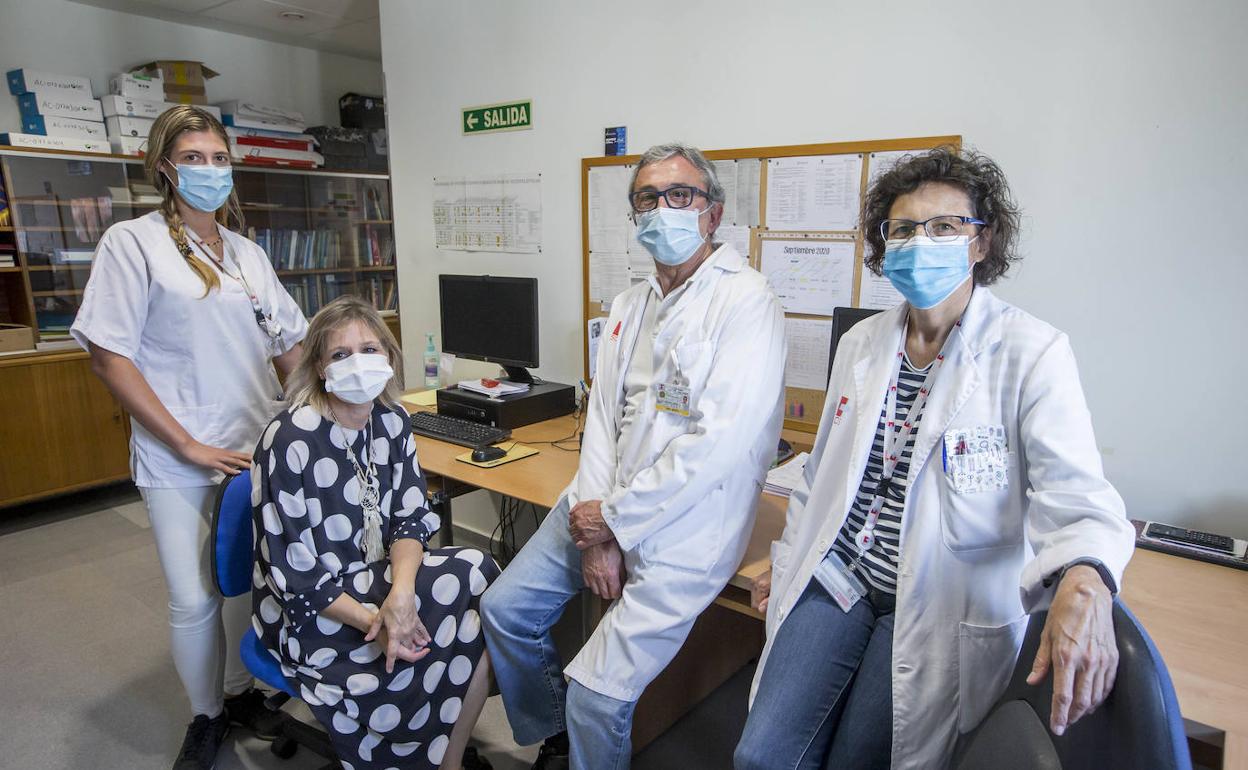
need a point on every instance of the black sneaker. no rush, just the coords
(474, 761)
(248, 710)
(203, 739)
(553, 755)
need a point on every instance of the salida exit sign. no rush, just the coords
(506, 116)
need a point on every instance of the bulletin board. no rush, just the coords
(793, 210)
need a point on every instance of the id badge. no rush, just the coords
(673, 398)
(839, 581)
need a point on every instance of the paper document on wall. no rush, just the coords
(608, 275)
(814, 193)
(880, 163)
(809, 341)
(501, 212)
(738, 236)
(739, 178)
(810, 275)
(610, 227)
(877, 292)
(594, 334)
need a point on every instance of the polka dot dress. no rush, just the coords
(309, 528)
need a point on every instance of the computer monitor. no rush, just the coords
(491, 318)
(842, 319)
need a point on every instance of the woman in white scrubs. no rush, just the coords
(185, 320)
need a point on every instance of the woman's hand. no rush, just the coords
(216, 458)
(1079, 645)
(760, 591)
(404, 634)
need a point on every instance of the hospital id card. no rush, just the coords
(839, 581)
(673, 398)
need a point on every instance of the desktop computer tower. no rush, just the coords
(541, 402)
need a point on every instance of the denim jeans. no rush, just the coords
(517, 612)
(825, 696)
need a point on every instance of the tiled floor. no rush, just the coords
(88, 682)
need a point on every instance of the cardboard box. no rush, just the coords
(129, 145)
(185, 94)
(46, 104)
(14, 337)
(23, 80)
(119, 126)
(179, 73)
(138, 84)
(71, 127)
(54, 143)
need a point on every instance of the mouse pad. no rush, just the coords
(517, 452)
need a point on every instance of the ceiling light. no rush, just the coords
(291, 16)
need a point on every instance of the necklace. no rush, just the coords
(370, 491)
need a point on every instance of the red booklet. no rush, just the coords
(303, 145)
(255, 160)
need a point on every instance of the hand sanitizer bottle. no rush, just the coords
(431, 362)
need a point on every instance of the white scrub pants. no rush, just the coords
(205, 627)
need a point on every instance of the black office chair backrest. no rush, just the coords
(1138, 726)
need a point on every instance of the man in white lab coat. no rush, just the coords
(682, 425)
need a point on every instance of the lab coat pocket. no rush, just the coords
(974, 513)
(693, 361)
(986, 658)
(202, 422)
(693, 542)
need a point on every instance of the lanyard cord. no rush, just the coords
(264, 320)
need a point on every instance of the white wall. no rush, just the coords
(1121, 126)
(73, 39)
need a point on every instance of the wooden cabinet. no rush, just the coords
(60, 428)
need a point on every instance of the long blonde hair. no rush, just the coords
(164, 134)
(305, 385)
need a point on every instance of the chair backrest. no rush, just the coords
(1138, 725)
(231, 537)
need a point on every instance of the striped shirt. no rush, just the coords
(878, 567)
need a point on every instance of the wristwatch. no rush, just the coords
(1096, 564)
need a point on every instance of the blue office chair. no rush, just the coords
(232, 561)
(1137, 726)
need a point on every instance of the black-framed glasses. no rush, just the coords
(942, 228)
(677, 196)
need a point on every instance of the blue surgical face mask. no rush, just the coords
(926, 272)
(671, 236)
(205, 187)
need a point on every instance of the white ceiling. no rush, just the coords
(349, 27)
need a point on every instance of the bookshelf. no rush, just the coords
(326, 233)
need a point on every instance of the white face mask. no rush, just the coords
(358, 378)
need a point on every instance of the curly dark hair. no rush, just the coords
(974, 173)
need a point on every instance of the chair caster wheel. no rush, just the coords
(283, 748)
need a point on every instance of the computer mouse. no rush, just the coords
(487, 453)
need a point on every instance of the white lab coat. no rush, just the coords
(206, 358)
(684, 521)
(972, 565)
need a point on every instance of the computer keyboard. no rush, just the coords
(456, 430)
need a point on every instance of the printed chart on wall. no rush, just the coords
(616, 260)
(488, 213)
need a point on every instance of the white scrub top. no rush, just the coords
(205, 357)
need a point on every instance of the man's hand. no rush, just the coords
(602, 566)
(1078, 644)
(586, 525)
(760, 591)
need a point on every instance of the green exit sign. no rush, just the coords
(508, 116)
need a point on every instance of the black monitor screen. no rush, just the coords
(842, 319)
(488, 318)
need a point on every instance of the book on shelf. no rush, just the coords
(375, 204)
(378, 248)
(302, 249)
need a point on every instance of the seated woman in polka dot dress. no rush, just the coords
(381, 634)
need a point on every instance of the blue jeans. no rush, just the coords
(517, 612)
(825, 696)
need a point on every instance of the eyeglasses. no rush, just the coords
(677, 197)
(942, 228)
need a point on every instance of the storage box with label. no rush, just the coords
(15, 337)
(54, 142)
(47, 103)
(129, 145)
(58, 126)
(138, 84)
(184, 80)
(125, 126)
(359, 111)
(23, 81)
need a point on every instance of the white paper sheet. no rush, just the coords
(739, 178)
(737, 236)
(810, 275)
(814, 193)
(876, 292)
(501, 212)
(608, 275)
(879, 163)
(610, 228)
(809, 341)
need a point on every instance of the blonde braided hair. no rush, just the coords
(164, 134)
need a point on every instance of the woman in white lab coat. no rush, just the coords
(954, 487)
(185, 320)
